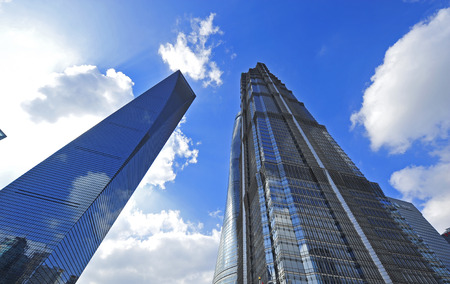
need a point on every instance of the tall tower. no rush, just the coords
(431, 244)
(446, 235)
(226, 266)
(307, 214)
(54, 217)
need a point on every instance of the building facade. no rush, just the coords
(307, 214)
(226, 266)
(2, 135)
(54, 217)
(431, 244)
(446, 235)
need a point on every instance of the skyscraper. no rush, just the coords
(2, 135)
(226, 266)
(307, 214)
(54, 217)
(446, 235)
(431, 244)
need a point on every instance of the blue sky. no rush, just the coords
(375, 73)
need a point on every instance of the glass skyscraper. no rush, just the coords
(431, 244)
(54, 217)
(226, 266)
(446, 235)
(306, 213)
(2, 135)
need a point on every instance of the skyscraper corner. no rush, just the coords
(54, 217)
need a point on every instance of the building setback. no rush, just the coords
(307, 214)
(54, 217)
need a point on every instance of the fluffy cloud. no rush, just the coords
(175, 155)
(80, 90)
(34, 74)
(430, 186)
(409, 96)
(191, 55)
(153, 248)
(140, 245)
(409, 101)
(29, 57)
(76, 100)
(216, 214)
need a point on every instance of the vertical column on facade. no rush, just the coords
(349, 213)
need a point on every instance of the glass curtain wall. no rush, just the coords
(54, 217)
(308, 213)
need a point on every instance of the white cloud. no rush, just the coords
(156, 248)
(429, 187)
(409, 101)
(33, 57)
(175, 155)
(37, 127)
(202, 29)
(29, 57)
(191, 55)
(78, 91)
(216, 214)
(409, 96)
(153, 248)
(214, 75)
